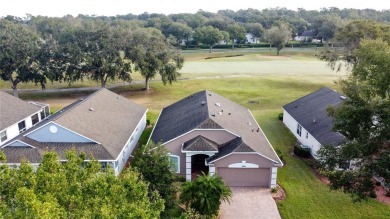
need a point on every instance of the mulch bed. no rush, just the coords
(280, 194)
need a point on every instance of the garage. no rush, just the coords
(245, 176)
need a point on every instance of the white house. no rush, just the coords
(17, 116)
(251, 39)
(105, 126)
(305, 36)
(308, 120)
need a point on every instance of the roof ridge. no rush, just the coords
(311, 93)
(79, 102)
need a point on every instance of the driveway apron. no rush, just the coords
(248, 203)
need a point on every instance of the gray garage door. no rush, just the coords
(245, 177)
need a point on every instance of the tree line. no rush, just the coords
(40, 49)
(70, 49)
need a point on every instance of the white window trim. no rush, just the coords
(299, 127)
(178, 162)
(5, 135)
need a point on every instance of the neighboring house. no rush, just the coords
(307, 35)
(308, 120)
(17, 116)
(250, 39)
(207, 132)
(104, 125)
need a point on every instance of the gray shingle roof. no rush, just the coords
(15, 154)
(308, 33)
(200, 143)
(111, 123)
(181, 117)
(312, 108)
(91, 150)
(208, 110)
(8, 114)
(235, 145)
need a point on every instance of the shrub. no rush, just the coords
(280, 116)
(280, 154)
(313, 163)
(301, 152)
(274, 190)
(377, 183)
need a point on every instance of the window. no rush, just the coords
(299, 130)
(45, 112)
(3, 136)
(103, 166)
(307, 135)
(22, 126)
(35, 119)
(175, 161)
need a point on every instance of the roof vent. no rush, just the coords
(203, 102)
(249, 123)
(218, 104)
(220, 113)
(213, 114)
(81, 99)
(209, 94)
(314, 120)
(229, 113)
(343, 97)
(118, 97)
(91, 109)
(295, 106)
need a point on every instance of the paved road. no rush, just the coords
(250, 203)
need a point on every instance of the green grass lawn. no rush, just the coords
(308, 197)
(293, 76)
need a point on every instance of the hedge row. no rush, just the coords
(301, 152)
(260, 45)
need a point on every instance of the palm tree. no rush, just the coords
(205, 194)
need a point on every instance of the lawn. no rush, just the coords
(249, 78)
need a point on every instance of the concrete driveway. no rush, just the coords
(250, 202)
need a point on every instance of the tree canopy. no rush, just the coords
(19, 49)
(236, 33)
(278, 36)
(159, 173)
(76, 189)
(205, 194)
(152, 54)
(364, 119)
(208, 35)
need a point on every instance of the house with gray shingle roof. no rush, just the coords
(308, 120)
(105, 126)
(206, 132)
(17, 116)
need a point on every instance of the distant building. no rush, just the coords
(250, 39)
(307, 35)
